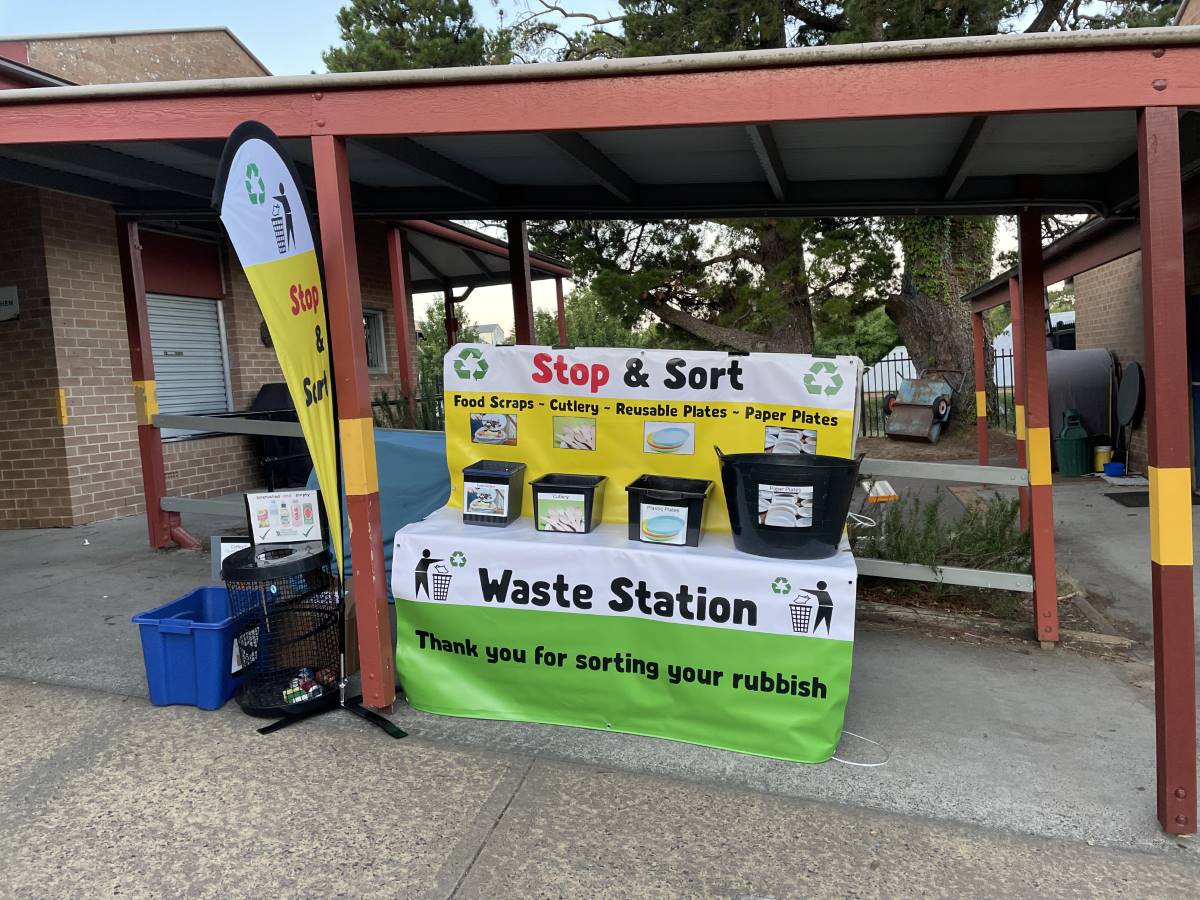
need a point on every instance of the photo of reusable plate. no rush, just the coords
(662, 528)
(667, 440)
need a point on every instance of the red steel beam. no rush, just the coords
(1018, 81)
(979, 352)
(355, 427)
(472, 242)
(1018, 388)
(1170, 467)
(400, 270)
(450, 315)
(522, 287)
(137, 324)
(1037, 427)
(562, 312)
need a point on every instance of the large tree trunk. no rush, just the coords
(944, 258)
(791, 331)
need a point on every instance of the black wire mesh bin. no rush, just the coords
(284, 602)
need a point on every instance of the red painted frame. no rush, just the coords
(1021, 81)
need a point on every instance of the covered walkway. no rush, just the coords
(1024, 124)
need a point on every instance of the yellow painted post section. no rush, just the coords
(145, 401)
(980, 404)
(359, 468)
(1037, 449)
(1020, 417)
(1171, 516)
(60, 404)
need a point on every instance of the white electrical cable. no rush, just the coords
(864, 765)
(859, 519)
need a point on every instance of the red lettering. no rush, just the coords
(295, 299)
(568, 373)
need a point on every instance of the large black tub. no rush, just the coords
(788, 506)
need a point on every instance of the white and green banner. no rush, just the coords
(705, 645)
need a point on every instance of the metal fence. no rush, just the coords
(426, 414)
(885, 377)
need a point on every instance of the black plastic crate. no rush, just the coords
(665, 510)
(570, 503)
(492, 492)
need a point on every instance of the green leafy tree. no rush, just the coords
(432, 345)
(771, 285)
(411, 34)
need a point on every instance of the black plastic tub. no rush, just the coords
(791, 506)
(492, 492)
(665, 510)
(571, 503)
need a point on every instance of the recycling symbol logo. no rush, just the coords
(256, 192)
(781, 585)
(470, 364)
(458, 559)
(823, 378)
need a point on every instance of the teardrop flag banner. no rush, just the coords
(265, 213)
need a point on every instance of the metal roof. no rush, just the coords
(1080, 160)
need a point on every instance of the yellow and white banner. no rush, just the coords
(265, 213)
(625, 413)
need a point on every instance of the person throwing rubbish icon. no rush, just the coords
(422, 574)
(824, 607)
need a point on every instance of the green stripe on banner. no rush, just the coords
(777, 695)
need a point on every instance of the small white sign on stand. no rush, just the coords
(284, 517)
(10, 307)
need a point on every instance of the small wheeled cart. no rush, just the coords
(921, 409)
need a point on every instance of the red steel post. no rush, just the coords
(402, 314)
(1037, 427)
(981, 419)
(450, 314)
(562, 312)
(1169, 470)
(137, 324)
(355, 427)
(522, 288)
(1018, 388)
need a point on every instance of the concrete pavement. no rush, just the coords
(102, 794)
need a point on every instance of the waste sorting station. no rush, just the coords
(1095, 122)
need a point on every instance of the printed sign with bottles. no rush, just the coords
(284, 516)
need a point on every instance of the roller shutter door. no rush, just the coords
(187, 340)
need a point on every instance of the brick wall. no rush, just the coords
(206, 467)
(92, 348)
(1108, 314)
(34, 487)
(161, 56)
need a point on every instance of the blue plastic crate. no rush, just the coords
(188, 648)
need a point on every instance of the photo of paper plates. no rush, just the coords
(662, 529)
(789, 440)
(669, 437)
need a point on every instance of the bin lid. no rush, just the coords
(493, 468)
(267, 562)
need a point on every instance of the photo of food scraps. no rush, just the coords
(493, 428)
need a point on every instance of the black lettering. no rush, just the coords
(620, 587)
(494, 591)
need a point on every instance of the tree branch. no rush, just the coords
(566, 14)
(717, 335)
(814, 19)
(1046, 16)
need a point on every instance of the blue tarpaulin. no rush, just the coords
(413, 482)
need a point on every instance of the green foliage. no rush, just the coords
(588, 325)
(412, 34)
(987, 535)
(432, 346)
(868, 336)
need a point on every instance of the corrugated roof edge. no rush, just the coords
(984, 45)
(194, 29)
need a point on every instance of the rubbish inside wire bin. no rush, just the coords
(285, 606)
